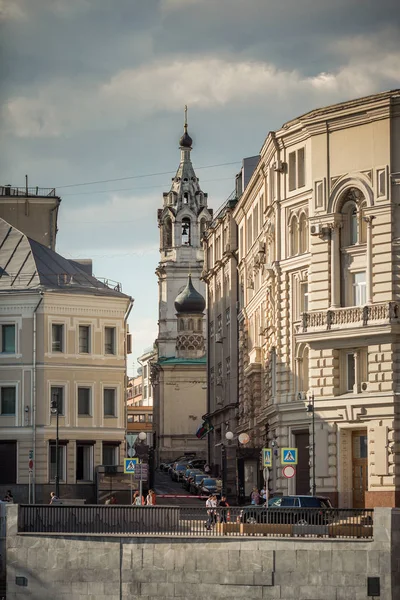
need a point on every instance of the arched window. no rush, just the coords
(181, 325)
(190, 325)
(303, 234)
(362, 223)
(185, 198)
(200, 325)
(351, 230)
(186, 231)
(294, 237)
(167, 233)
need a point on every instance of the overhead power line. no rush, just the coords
(59, 187)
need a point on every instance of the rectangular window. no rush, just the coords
(57, 398)
(303, 297)
(84, 401)
(8, 400)
(110, 455)
(359, 289)
(145, 372)
(292, 171)
(84, 337)
(57, 332)
(219, 324)
(351, 373)
(228, 316)
(228, 365)
(297, 173)
(249, 232)
(149, 418)
(255, 222)
(109, 340)
(139, 418)
(271, 186)
(144, 392)
(241, 243)
(261, 206)
(8, 338)
(8, 462)
(130, 418)
(110, 402)
(53, 461)
(84, 462)
(218, 248)
(319, 194)
(301, 173)
(211, 329)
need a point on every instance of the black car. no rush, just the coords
(296, 510)
(197, 463)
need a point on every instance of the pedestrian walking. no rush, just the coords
(255, 496)
(151, 498)
(137, 500)
(223, 513)
(211, 505)
(264, 494)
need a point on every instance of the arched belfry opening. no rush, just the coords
(186, 231)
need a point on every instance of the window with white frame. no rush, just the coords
(8, 397)
(84, 462)
(110, 404)
(84, 339)
(296, 169)
(359, 288)
(109, 340)
(57, 337)
(110, 454)
(53, 461)
(8, 337)
(84, 404)
(57, 395)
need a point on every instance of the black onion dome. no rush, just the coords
(190, 300)
(186, 141)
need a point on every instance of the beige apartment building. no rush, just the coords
(63, 341)
(319, 233)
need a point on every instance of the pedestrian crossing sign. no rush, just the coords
(289, 456)
(129, 465)
(267, 457)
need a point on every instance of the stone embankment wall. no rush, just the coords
(159, 568)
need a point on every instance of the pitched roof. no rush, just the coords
(26, 264)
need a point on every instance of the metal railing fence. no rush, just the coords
(196, 521)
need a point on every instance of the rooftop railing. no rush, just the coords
(196, 521)
(7, 190)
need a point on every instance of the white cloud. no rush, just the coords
(63, 107)
(10, 10)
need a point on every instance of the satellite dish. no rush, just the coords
(244, 438)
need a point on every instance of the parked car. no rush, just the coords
(186, 477)
(178, 470)
(209, 486)
(300, 510)
(195, 483)
(197, 463)
(164, 466)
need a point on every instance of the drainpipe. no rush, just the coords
(128, 312)
(33, 400)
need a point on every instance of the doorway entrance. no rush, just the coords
(360, 467)
(303, 468)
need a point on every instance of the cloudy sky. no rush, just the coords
(93, 91)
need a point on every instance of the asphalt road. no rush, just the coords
(164, 486)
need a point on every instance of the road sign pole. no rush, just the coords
(140, 482)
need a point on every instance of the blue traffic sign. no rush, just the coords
(267, 457)
(289, 456)
(129, 464)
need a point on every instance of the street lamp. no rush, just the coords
(229, 437)
(311, 409)
(55, 410)
(142, 437)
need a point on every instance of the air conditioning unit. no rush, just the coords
(316, 229)
(218, 338)
(218, 381)
(278, 166)
(364, 386)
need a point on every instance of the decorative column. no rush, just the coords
(335, 265)
(368, 220)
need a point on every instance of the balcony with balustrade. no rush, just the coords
(349, 322)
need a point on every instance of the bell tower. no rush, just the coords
(181, 221)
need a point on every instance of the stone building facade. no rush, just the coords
(63, 341)
(319, 231)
